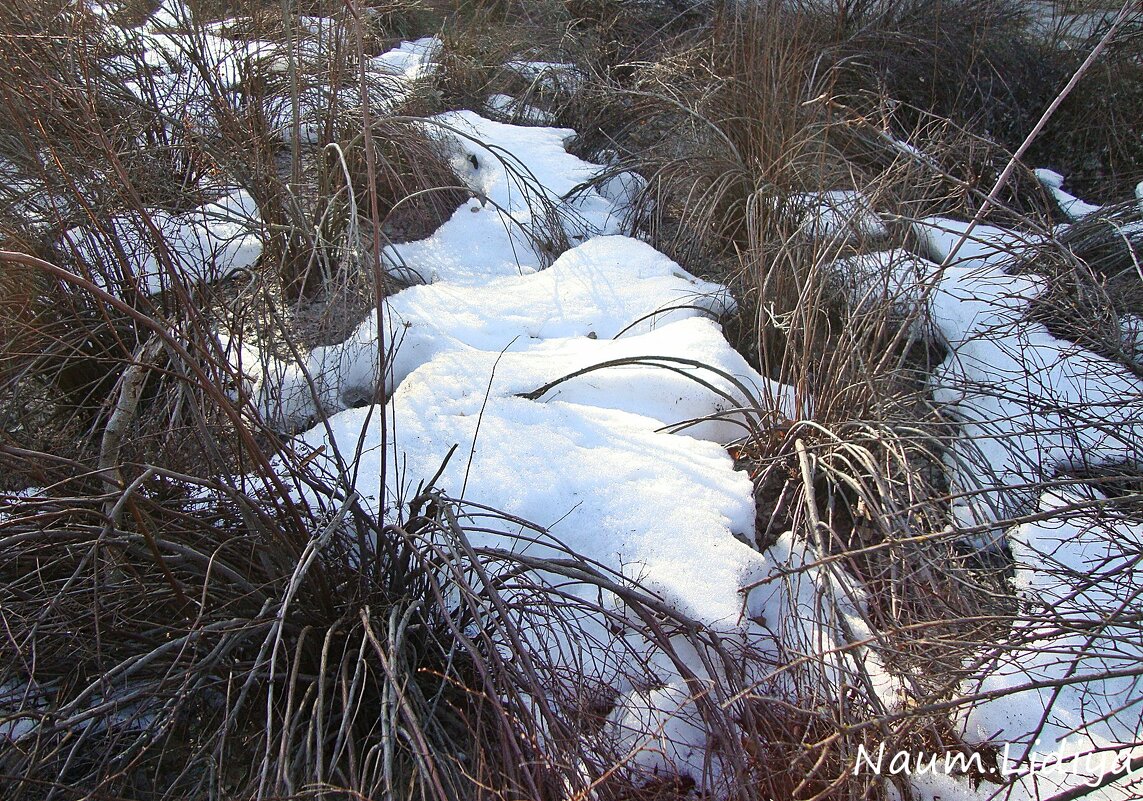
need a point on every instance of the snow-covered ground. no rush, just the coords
(205, 244)
(1030, 406)
(592, 397)
(610, 463)
(586, 386)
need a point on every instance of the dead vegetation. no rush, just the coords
(183, 619)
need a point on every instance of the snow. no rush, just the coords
(605, 459)
(591, 462)
(813, 608)
(943, 239)
(1028, 404)
(599, 477)
(549, 75)
(306, 114)
(26, 197)
(896, 281)
(592, 397)
(528, 197)
(506, 108)
(186, 76)
(1074, 208)
(599, 289)
(1029, 408)
(14, 694)
(189, 74)
(168, 14)
(200, 60)
(1076, 572)
(409, 60)
(837, 215)
(592, 466)
(204, 244)
(623, 189)
(1073, 572)
(389, 80)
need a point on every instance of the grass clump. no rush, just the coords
(196, 645)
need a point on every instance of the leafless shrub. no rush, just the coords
(1094, 138)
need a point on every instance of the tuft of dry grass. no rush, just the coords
(1094, 283)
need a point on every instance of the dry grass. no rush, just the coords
(1094, 282)
(733, 128)
(180, 623)
(216, 641)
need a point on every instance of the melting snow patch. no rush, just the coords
(664, 509)
(944, 239)
(204, 244)
(837, 216)
(529, 196)
(410, 60)
(511, 109)
(549, 75)
(605, 287)
(389, 80)
(1028, 404)
(1074, 208)
(895, 281)
(1066, 699)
